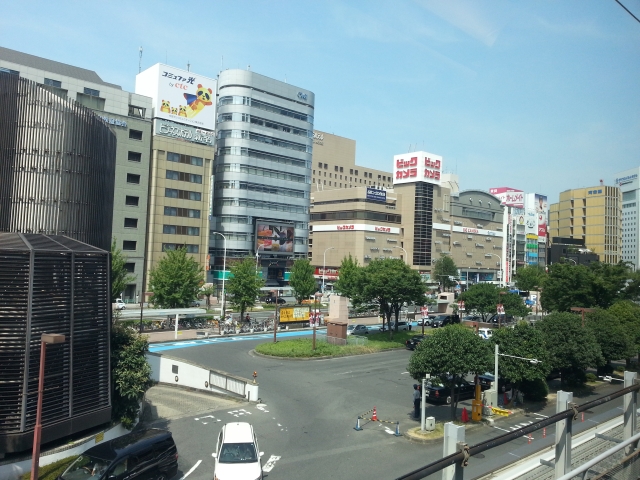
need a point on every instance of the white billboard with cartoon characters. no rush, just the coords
(180, 96)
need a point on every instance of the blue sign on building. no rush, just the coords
(376, 195)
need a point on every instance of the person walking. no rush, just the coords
(416, 400)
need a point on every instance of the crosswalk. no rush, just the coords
(522, 424)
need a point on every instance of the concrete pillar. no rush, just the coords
(453, 436)
(563, 435)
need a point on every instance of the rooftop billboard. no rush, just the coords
(511, 197)
(417, 167)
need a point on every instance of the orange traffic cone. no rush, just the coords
(529, 439)
(465, 415)
(374, 417)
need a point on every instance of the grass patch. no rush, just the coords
(302, 347)
(51, 471)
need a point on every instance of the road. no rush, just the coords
(305, 423)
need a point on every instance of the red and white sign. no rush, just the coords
(461, 306)
(328, 273)
(511, 197)
(424, 311)
(500, 309)
(417, 167)
(356, 227)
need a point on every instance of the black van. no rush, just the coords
(144, 455)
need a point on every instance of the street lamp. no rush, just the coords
(406, 256)
(499, 258)
(324, 266)
(224, 273)
(533, 361)
(37, 432)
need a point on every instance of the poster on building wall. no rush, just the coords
(542, 213)
(531, 221)
(274, 238)
(511, 197)
(180, 96)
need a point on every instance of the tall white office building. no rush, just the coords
(628, 183)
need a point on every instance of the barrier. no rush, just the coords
(501, 411)
(374, 418)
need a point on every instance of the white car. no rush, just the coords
(119, 304)
(485, 333)
(357, 330)
(237, 456)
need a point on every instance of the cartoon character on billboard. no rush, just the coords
(166, 106)
(197, 102)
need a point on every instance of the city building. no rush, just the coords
(57, 165)
(182, 152)
(629, 186)
(262, 174)
(592, 214)
(570, 250)
(129, 117)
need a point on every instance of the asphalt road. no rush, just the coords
(305, 424)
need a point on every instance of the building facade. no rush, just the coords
(593, 214)
(629, 184)
(57, 165)
(262, 174)
(129, 117)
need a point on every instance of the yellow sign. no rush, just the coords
(294, 314)
(99, 437)
(501, 411)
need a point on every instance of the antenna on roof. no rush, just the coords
(140, 60)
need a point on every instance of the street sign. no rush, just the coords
(461, 306)
(424, 311)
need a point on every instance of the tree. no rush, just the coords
(572, 348)
(445, 271)
(244, 284)
(530, 277)
(628, 314)
(484, 298)
(130, 373)
(120, 278)
(207, 290)
(349, 281)
(451, 353)
(175, 280)
(612, 336)
(302, 280)
(609, 282)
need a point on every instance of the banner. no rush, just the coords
(294, 314)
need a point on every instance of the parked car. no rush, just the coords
(401, 326)
(119, 304)
(414, 341)
(194, 303)
(237, 455)
(486, 382)
(357, 330)
(442, 321)
(273, 300)
(485, 333)
(437, 391)
(150, 453)
(426, 320)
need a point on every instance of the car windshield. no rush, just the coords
(351, 327)
(238, 453)
(85, 467)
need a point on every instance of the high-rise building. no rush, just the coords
(262, 174)
(629, 184)
(592, 214)
(129, 117)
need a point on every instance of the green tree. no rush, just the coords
(349, 280)
(628, 314)
(451, 353)
(244, 284)
(445, 271)
(207, 290)
(130, 373)
(485, 297)
(571, 347)
(302, 280)
(530, 277)
(120, 278)
(175, 280)
(522, 341)
(612, 336)
(609, 282)
(567, 286)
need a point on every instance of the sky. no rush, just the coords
(542, 96)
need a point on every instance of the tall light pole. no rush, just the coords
(533, 361)
(406, 256)
(324, 266)
(499, 258)
(224, 274)
(37, 432)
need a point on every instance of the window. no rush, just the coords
(130, 267)
(135, 134)
(326, 166)
(136, 111)
(91, 92)
(341, 169)
(131, 201)
(335, 168)
(134, 156)
(129, 245)
(183, 176)
(8, 70)
(182, 194)
(130, 223)
(180, 230)
(175, 246)
(90, 101)
(181, 212)
(133, 178)
(186, 159)
(53, 83)
(351, 171)
(319, 164)
(356, 172)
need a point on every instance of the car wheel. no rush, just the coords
(161, 477)
(449, 400)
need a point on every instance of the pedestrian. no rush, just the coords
(416, 401)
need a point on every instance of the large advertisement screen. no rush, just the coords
(542, 211)
(274, 238)
(511, 197)
(180, 96)
(417, 167)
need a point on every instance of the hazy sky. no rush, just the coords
(543, 96)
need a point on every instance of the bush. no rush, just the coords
(574, 377)
(51, 471)
(591, 377)
(534, 390)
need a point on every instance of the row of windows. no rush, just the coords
(263, 122)
(184, 177)
(262, 172)
(267, 107)
(182, 194)
(260, 155)
(264, 139)
(629, 205)
(259, 187)
(358, 215)
(245, 220)
(187, 159)
(335, 184)
(279, 207)
(271, 94)
(181, 212)
(336, 168)
(473, 213)
(174, 246)
(180, 230)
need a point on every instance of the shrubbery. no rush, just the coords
(591, 377)
(534, 390)
(51, 471)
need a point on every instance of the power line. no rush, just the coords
(637, 19)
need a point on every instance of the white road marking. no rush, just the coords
(343, 373)
(540, 415)
(209, 416)
(191, 471)
(515, 455)
(404, 373)
(270, 463)
(501, 429)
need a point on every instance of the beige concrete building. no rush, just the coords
(179, 199)
(593, 214)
